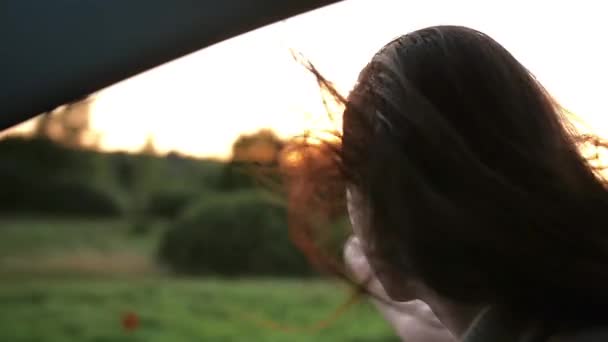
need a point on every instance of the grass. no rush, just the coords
(43, 235)
(182, 310)
(67, 280)
(65, 246)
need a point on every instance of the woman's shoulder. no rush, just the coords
(590, 335)
(491, 325)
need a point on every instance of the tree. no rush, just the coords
(255, 158)
(145, 177)
(262, 147)
(69, 125)
(149, 147)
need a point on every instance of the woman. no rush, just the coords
(467, 191)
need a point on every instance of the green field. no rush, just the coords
(84, 247)
(74, 280)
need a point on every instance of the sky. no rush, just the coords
(201, 103)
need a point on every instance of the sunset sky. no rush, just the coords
(201, 103)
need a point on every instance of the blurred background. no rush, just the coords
(144, 212)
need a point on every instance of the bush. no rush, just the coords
(41, 177)
(41, 158)
(237, 176)
(37, 196)
(240, 233)
(168, 204)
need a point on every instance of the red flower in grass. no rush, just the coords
(130, 321)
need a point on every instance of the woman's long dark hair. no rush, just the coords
(473, 177)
